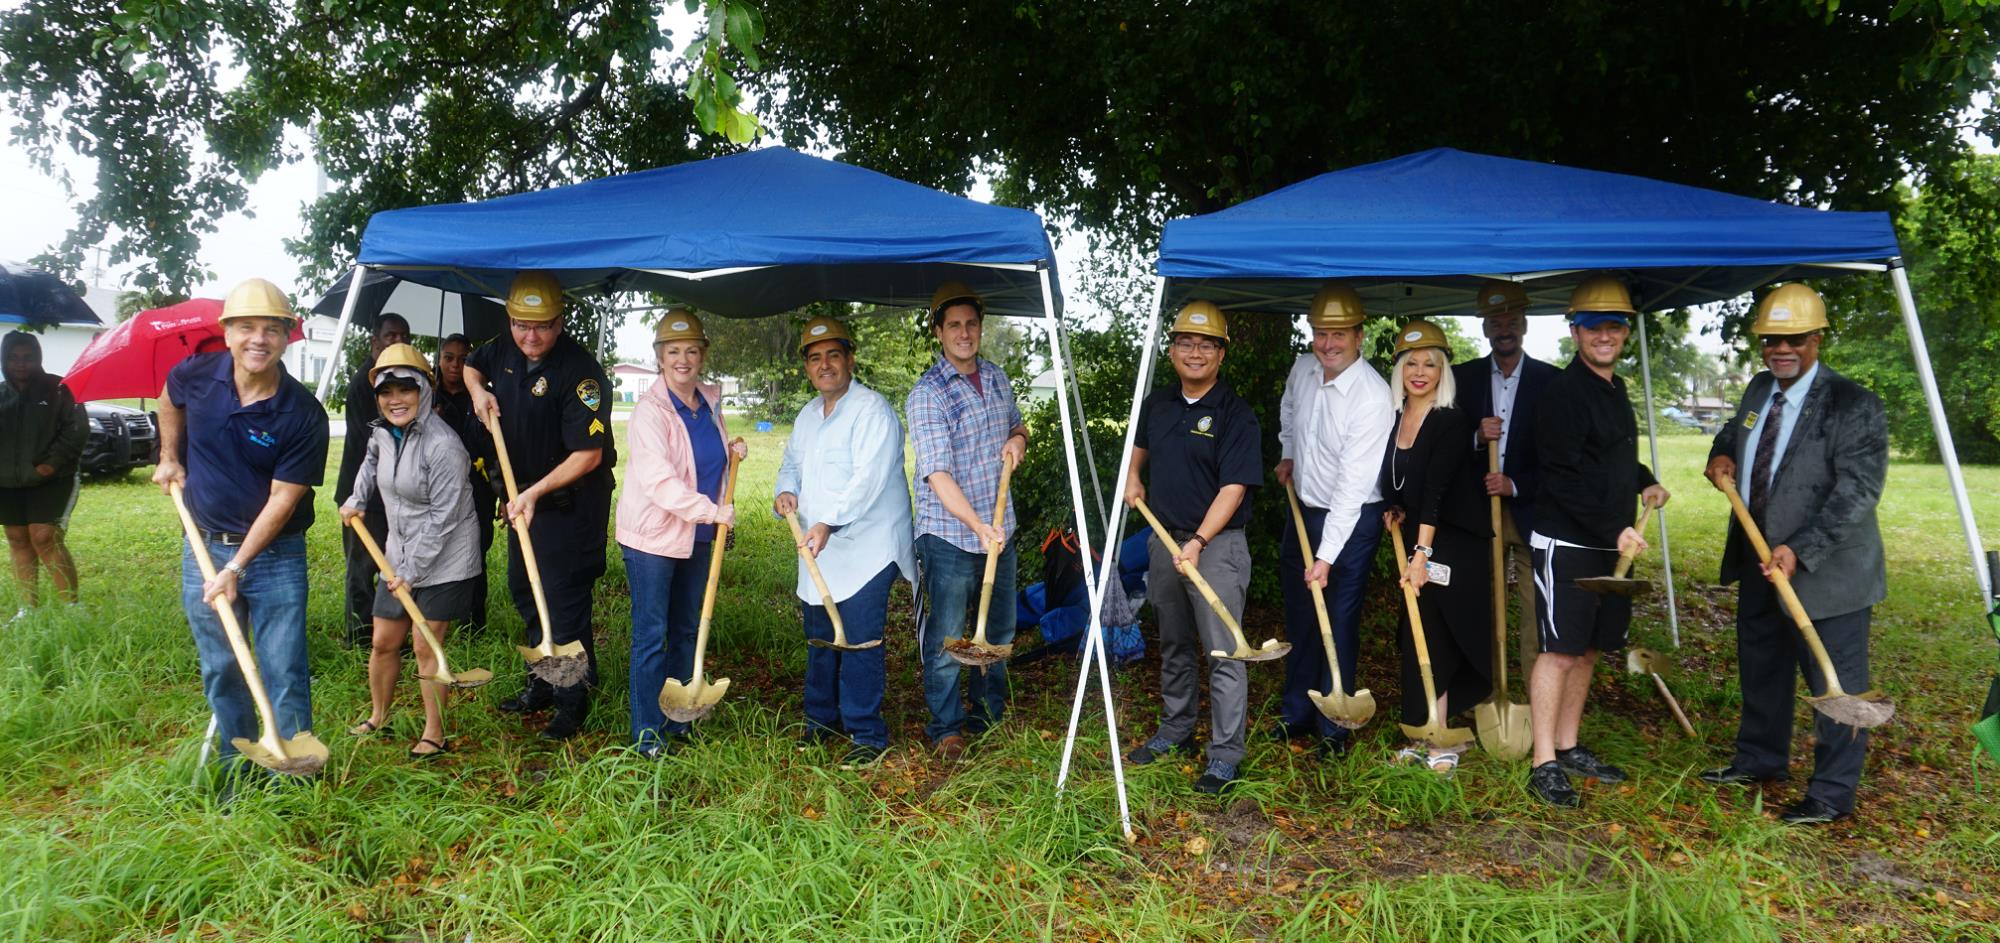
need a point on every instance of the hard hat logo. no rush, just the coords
(1496, 299)
(680, 325)
(531, 299)
(1197, 319)
(1414, 336)
(818, 329)
(1781, 314)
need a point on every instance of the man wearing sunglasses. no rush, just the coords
(1808, 450)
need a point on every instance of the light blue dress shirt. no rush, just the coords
(847, 471)
(1795, 399)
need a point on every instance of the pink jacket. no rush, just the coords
(659, 507)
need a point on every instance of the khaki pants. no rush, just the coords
(1521, 569)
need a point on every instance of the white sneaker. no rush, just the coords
(20, 615)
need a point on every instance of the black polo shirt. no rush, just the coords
(1587, 446)
(550, 409)
(233, 452)
(1194, 449)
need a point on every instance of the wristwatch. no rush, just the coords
(234, 567)
(1426, 551)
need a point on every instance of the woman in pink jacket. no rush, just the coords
(667, 514)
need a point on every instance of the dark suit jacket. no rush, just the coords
(1822, 503)
(1474, 379)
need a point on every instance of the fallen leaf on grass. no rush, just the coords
(1196, 846)
(810, 813)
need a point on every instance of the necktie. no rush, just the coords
(1767, 456)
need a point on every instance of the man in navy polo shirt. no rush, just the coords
(248, 444)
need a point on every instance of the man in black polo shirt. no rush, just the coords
(248, 443)
(361, 413)
(1587, 443)
(555, 414)
(1202, 443)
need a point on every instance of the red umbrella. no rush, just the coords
(132, 359)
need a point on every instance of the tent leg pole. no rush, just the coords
(1091, 588)
(1082, 423)
(1653, 441)
(347, 307)
(1921, 352)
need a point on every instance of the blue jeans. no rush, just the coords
(844, 689)
(951, 580)
(1347, 579)
(666, 611)
(271, 608)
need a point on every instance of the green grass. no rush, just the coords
(741, 837)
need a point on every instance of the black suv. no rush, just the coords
(121, 439)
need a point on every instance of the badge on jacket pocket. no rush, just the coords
(1750, 420)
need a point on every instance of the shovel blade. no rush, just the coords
(685, 703)
(529, 653)
(469, 678)
(857, 647)
(1352, 711)
(974, 655)
(1505, 729)
(1615, 586)
(302, 755)
(1645, 661)
(1438, 735)
(1864, 710)
(1271, 649)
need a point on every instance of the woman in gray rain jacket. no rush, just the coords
(416, 462)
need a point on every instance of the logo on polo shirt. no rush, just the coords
(1202, 425)
(587, 392)
(541, 386)
(262, 438)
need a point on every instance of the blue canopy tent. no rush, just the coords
(1415, 234)
(746, 235)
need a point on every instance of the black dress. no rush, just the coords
(1435, 482)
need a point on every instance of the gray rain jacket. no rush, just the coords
(433, 531)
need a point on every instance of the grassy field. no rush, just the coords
(741, 837)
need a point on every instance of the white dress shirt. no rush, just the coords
(1335, 432)
(1795, 401)
(847, 471)
(1503, 389)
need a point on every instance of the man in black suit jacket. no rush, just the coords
(1812, 447)
(1500, 390)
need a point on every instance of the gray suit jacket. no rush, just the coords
(1822, 503)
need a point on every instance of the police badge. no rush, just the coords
(541, 386)
(587, 392)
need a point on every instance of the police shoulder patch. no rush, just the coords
(587, 392)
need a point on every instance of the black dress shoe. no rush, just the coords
(563, 726)
(527, 702)
(1811, 811)
(1733, 775)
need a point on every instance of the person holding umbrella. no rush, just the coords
(549, 397)
(843, 474)
(1209, 456)
(964, 426)
(360, 413)
(415, 467)
(667, 513)
(1435, 498)
(1808, 450)
(42, 431)
(247, 443)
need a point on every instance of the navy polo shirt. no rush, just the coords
(1194, 449)
(550, 409)
(711, 457)
(233, 452)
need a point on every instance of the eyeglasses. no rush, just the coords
(533, 327)
(1189, 345)
(1793, 341)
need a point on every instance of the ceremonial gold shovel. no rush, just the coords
(1867, 709)
(470, 678)
(1432, 731)
(1618, 582)
(976, 652)
(1348, 710)
(691, 701)
(1272, 648)
(825, 595)
(1506, 729)
(301, 755)
(560, 665)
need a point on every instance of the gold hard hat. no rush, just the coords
(256, 298)
(1601, 294)
(1201, 317)
(955, 291)
(535, 296)
(400, 355)
(679, 324)
(1419, 334)
(1499, 297)
(1335, 305)
(1790, 309)
(823, 328)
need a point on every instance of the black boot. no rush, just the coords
(537, 695)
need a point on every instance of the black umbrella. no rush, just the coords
(431, 312)
(32, 296)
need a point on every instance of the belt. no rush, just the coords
(222, 537)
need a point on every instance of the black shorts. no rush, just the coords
(1573, 620)
(445, 602)
(47, 503)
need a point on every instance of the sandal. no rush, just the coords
(441, 750)
(1412, 755)
(1444, 763)
(363, 729)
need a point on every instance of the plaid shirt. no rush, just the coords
(958, 430)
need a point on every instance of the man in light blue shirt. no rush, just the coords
(843, 474)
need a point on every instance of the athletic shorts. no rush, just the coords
(47, 503)
(1573, 620)
(445, 602)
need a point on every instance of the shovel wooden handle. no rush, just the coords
(548, 644)
(1193, 575)
(1499, 580)
(1319, 601)
(246, 661)
(402, 592)
(1674, 705)
(993, 555)
(1416, 627)
(714, 568)
(819, 582)
(1626, 556)
(1784, 586)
